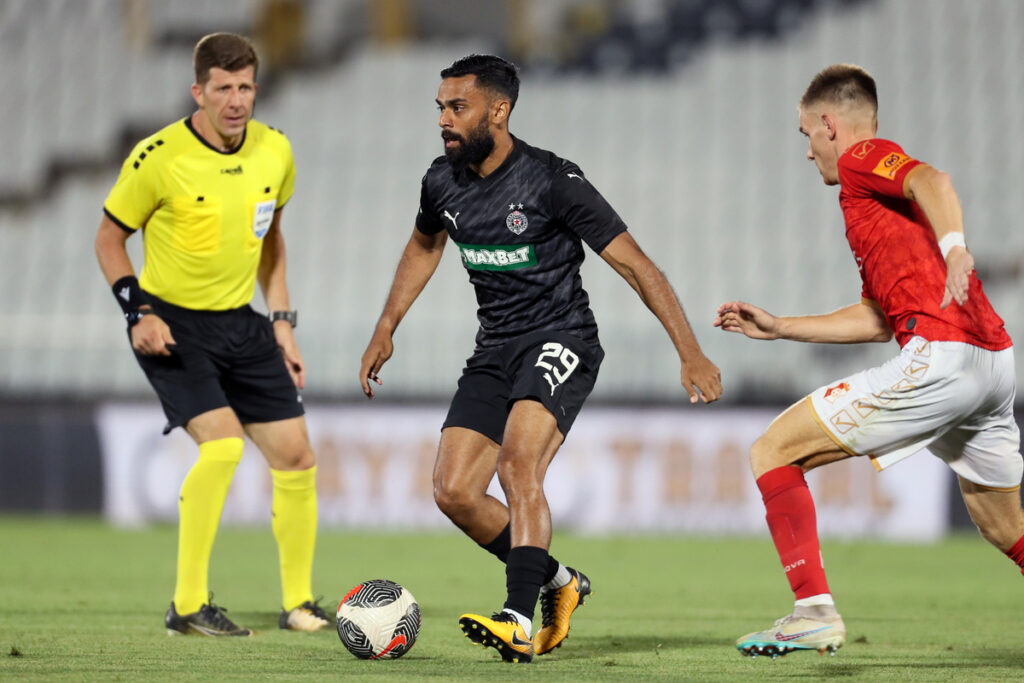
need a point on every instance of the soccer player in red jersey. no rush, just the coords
(950, 389)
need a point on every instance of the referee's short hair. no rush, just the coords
(492, 73)
(228, 51)
(842, 84)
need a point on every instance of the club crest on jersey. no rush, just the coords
(516, 221)
(832, 393)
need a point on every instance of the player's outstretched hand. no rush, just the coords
(754, 322)
(151, 336)
(377, 353)
(959, 267)
(701, 379)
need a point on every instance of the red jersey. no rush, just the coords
(900, 264)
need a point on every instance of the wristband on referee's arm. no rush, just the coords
(131, 298)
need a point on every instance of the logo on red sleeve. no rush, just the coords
(889, 165)
(861, 150)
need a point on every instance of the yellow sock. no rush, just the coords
(199, 507)
(294, 525)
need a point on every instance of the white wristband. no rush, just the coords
(950, 240)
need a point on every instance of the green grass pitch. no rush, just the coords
(82, 601)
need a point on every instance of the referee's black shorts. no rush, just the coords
(555, 368)
(222, 358)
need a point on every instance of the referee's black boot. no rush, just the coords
(210, 620)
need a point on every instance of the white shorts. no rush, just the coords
(952, 398)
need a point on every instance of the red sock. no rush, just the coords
(793, 523)
(1016, 553)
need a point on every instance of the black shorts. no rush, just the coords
(222, 358)
(555, 368)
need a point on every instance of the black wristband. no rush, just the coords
(129, 295)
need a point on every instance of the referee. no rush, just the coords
(519, 217)
(208, 192)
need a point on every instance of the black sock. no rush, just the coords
(524, 575)
(501, 544)
(551, 570)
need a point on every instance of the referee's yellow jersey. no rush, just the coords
(204, 212)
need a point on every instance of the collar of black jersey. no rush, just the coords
(468, 175)
(188, 124)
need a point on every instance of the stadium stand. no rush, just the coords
(684, 117)
(71, 83)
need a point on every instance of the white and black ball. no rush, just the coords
(378, 619)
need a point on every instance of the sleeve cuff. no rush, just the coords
(117, 221)
(598, 247)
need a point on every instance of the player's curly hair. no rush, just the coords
(228, 51)
(842, 84)
(492, 73)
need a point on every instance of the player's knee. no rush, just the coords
(453, 501)
(517, 474)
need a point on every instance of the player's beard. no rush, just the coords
(472, 149)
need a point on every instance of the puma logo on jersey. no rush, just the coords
(452, 218)
(577, 177)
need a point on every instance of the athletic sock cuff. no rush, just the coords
(1016, 553)
(531, 556)
(294, 479)
(225, 450)
(501, 544)
(774, 482)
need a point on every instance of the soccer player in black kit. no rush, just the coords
(518, 216)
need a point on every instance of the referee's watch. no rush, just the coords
(134, 317)
(291, 316)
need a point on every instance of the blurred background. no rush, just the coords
(682, 112)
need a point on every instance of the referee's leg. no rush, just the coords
(219, 436)
(286, 446)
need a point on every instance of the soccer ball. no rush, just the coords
(378, 619)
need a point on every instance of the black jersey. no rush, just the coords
(519, 232)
